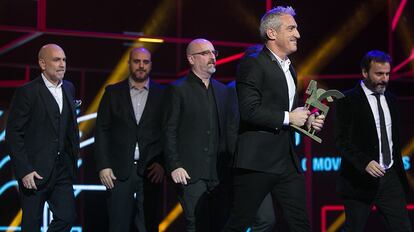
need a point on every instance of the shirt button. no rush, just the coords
(205, 149)
(208, 132)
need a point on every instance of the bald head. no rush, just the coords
(135, 51)
(52, 62)
(195, 45)
(47, 49)
(202, 57)
(140, 64)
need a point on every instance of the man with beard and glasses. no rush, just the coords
(367, 136)
(128, 145)
(196, 128)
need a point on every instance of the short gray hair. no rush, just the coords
(271, 19)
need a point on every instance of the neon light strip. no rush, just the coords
(18, 228)
(150, 40)
(398, 67)
(87, 117)
(1, 112)
(8, 185)
(218, 62)
(107, 35)
(12, 228)
(87, 142)
(2, 135)
(4, 161)
(19, 41)
(89, 187)
(398, 14)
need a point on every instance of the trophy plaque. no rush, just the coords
(315, 101)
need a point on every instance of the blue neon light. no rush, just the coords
(4, 161)
(18, 228)
(2, 135)
(297, 139)
(332, 164)
(8, 185)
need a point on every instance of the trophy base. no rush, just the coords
(307, 133)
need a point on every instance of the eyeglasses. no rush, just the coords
(206, 52)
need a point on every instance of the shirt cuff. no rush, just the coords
(286, 119)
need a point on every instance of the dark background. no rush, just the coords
(95, 35)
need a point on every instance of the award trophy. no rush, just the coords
(316, 96)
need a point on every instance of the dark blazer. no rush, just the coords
(264, 144)
(117, 131)
(31, 135)
(185, 131)
(357, 140)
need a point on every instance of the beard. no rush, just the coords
(211, 70)
(139, 78)
(376, 87)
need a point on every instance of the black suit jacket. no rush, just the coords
(117, 131)
(30, 134)
(357, 140)
(264, 144)
(184, 129)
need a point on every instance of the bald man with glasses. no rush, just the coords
(195, 137)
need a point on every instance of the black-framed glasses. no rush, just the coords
(207, 52)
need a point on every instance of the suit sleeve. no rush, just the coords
(343, 133)
(103, 126)
(171, 122)
(19, 116)
(249, 91)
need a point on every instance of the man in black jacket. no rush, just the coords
(367, 135)
(265, 160)
(43, 138)
(196, 134)
(128, 142)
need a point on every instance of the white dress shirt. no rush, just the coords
(56, 91)
(138, 98)
(285, 64)
(388, 124)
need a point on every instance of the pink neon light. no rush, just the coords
(106, 35)
(229, 59)
(219, 62)
(398, 67)
(398, 14)
(41, 15)
(268, 5)
(326, 208)
(19, 41)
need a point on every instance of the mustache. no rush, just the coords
(212, 62)
(382, 83)
(140, 70)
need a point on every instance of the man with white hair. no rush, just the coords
(265, 160)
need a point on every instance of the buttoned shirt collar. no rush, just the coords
(284, 63)
(132, 84)
(50, 84)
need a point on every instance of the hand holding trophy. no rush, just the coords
(315, 101)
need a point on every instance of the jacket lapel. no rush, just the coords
(279, 73)
(48, 101)
(218, 97)
(126, 102)
(150, 99)
(366, 111)
(70, 100)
